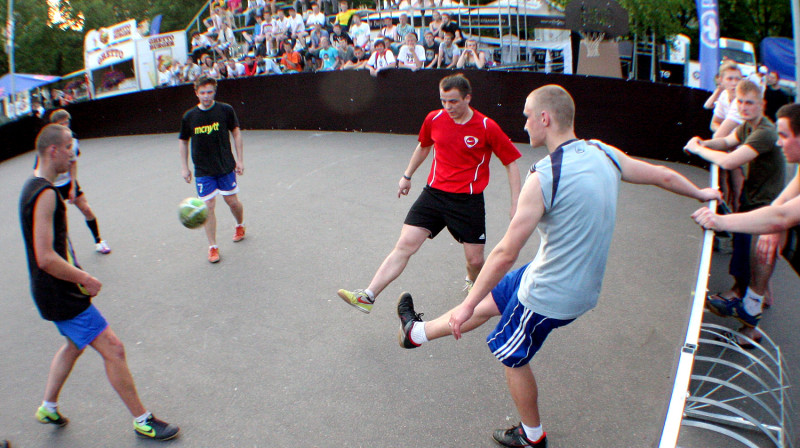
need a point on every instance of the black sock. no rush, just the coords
(92, 224)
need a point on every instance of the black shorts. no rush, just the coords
(64, 189)
(463, 214)
(791, 251)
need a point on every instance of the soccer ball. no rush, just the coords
(192, 212)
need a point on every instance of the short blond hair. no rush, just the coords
(746, 86)
(52, 134)
(557, 101)
(727, 66)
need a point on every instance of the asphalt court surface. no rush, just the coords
(258, 350)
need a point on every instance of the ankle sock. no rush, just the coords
(370, 294)
(418, 335)
(533, 434)
(51, 406)
(752, 302)
(143, 418)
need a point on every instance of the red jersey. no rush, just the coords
(461, 152)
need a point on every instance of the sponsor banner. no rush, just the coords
(98, 40)
(708, 15)
(110, 55)
(158, 51)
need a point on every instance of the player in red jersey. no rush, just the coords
(463, 140)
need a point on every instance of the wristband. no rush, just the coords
(406, 177)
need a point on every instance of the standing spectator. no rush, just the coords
(431, 50)
(328, 55)
(448, 52)
(380, 59)
(411, 55)
(358, 61)
(360, 32)
(774, 95)
(753, 144)
(403, 27)
(291, 61)
(449, 26)
(471, 57)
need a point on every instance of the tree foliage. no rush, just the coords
(43, 49)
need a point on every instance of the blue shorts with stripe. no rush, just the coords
(210, 186)
(520, 332)
(83, 328)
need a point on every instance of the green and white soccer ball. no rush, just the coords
(192, 212)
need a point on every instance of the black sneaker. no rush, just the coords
(155, 429)
(405, 311)
(45, 416)
(515, 437)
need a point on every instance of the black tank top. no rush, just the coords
(56, 299)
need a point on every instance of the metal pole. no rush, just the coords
(796, 30)
(10, 50)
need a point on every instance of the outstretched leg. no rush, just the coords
(113, 352)
(411, 239)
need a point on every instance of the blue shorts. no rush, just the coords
(83, 328)
(209, 186)
(520, 332)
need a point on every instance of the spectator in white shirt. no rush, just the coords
(411, 55)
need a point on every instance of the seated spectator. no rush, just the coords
(256, 41)
(392, 46)
(346, 52)
(191, 71)
(449, 26)
(255, 8)
(403, 27)
(328, 55)
(315, 39)
(200, 44)
(315, 17)
(225, 39)
(164, 75)
(360, 32)
(381, 58)
(280, 28)
(213, 21)
(291, 61)
(411, 55)
(338, 34)
(431, 50)
(235, 69)
(435, 27)
(249, 65)
(389, 30)
(207, 65)
(268, 66)
(296, 27)
(471, 57)
(448, 52)
(310, 63)
(227, 15)
(358, 61)
(344, 15)
(301, 6)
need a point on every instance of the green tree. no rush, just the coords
(44, 49)
(753, 20)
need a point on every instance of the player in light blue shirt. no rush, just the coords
(571, 197)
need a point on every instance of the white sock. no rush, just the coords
(533, 434)
(143, 418)
(370, 294)
(752, 302)
(212, 247)
(241, 224)
(51, 406)
(418, 335)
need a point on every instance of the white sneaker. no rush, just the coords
(102, 247)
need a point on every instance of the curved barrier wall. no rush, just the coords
(641, 118)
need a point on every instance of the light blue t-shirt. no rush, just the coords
(328, 56)
(580, 184)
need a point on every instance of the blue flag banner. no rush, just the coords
(708, 17)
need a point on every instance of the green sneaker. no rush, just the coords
(155, 429)
(45, 416)
(358, 299)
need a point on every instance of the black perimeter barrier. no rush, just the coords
(641, 118)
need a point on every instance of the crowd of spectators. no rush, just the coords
(301, 37)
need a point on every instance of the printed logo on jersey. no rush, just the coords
(470, 141)
(207, 129)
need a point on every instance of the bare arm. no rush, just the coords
(462, 59)
(183, 146)
(237, 141)
(709, 104)
(73, 188)
(47, 258)
(725, 128)
(640, 172)
(503, 256)
(514, 185)
(765, 220)
(726, 160)
(419, 156)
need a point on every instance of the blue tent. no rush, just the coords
(24, 82)
(777, 53)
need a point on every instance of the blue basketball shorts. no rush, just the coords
(520, 332)
(209, 186)
(83, 328)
